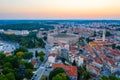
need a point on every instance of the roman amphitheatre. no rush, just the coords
(61, 37)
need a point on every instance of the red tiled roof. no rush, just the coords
(111, 61)
(113, 52)
(52, 54)
(99, 49)
(73, 51)
(7, 53)
(58, 65)
(63, 44)
(70, 70)
(118, 42)
(34, 62)
(72, 47)
(98, 43)
(88, 49)
(93, 68)
(98, 60)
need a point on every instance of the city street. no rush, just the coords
(41, 69)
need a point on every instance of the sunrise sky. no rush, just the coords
(59, 9)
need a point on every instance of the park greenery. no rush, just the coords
(83, 73)
(41, 54)
(81, 41)
(26, 26)
(58, 74)
(112, 77)
(22, 53)
(14, 67)
(108, 33)
(88, 40)
(61, 76)
(118, 47)
(43, 77)
(30, 41)
(74, 63)
(20, 49)
(114, 46)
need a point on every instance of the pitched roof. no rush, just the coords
(34, 61)
(70, 70)
(53, 54)
(98, 60)
(94, 68)
(7, 53)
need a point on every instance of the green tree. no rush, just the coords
(88, 40)
(41, 58)
(63, 60)
(7, 70)
(27, 26)
(10, 76)
(22, 62)
(61, 76)
(20, 49)
(29, 73)
(55, 71)
(74, 63)
(113, 46)
(20, 55)
(36, 42)
(29, 41)
(83, 73)
(27, 55)
(94, 34)
(41, 53)
(45, 38)
(29, 65)
(3, 77)
(19, 76)
(112, 77)
(43, 77)
(15, 62)
(7, 64)
(36, 53)
(2, 57)
(8, 58)
(118, 47)
(10, 67)
(108, 33)
(104, 78)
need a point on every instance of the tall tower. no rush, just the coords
(103, 37)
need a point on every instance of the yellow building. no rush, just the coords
(97, 43)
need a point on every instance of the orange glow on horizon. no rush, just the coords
(78, 9)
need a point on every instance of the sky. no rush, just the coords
(59, 9)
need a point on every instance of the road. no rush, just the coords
(41, 69)
(39, 72)
(85, 42)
